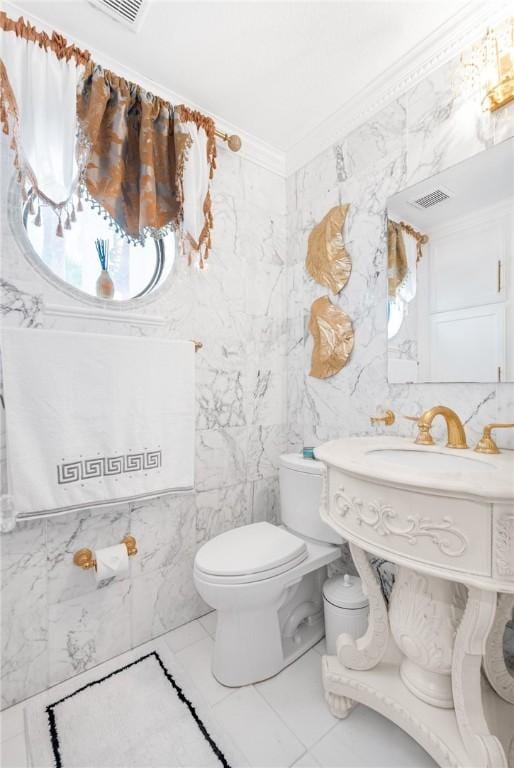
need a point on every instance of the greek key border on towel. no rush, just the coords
(105, 466)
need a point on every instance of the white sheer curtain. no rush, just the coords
(195, 182)
(44, 126)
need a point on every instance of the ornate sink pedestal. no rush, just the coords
(446, 518)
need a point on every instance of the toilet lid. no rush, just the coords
(251, 549)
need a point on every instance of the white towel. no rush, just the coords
(95, 419)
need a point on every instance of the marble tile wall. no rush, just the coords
(423, 132)
(250, 308)
(55, 621)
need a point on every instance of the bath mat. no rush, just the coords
(137, 716)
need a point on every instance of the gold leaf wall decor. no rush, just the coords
(332, 331)
(328, 261)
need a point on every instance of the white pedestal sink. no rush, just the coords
(446, 518)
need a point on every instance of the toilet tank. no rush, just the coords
(300, 494)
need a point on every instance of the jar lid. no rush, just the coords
(345, 592)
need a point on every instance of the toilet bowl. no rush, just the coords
(265, 581)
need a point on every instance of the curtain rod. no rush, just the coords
(59, 45)
(233, 142)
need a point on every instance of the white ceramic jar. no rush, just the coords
(346, 609)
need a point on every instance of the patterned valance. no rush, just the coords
(396, 257)
(145, 163)
(134, 154)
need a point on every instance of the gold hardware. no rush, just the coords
(233, 142)
(198, 345)
(387, 419)
(488, 66)
(456, 433)
(486, 444)
(85, 559)
(411, 418)
(131, 545)
(419, 237)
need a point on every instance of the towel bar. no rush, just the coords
(84, 557)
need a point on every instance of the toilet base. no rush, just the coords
(254, 644)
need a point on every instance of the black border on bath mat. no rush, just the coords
(54, 736)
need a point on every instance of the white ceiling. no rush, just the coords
(276, 70)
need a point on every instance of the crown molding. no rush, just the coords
(253, 149)
(436, 49)
(446, 42)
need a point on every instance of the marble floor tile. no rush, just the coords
(209, 622)
(349, 744)
(13, 752)
(296, 695)
(321, 647)
(306, 761)
(186, 635)
(196, 660)
(11, 721)
(261, 735)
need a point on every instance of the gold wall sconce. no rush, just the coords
(85, 558)
(488, 67)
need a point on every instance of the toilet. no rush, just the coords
(265, 581)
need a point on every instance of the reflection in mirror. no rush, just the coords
(451, 273)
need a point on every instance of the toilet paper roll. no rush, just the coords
(111, 561)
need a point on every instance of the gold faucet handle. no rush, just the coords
(486, 444)
(388, 418)
(423, 437)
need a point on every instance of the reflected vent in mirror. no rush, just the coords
(128, 12)
(434, 197)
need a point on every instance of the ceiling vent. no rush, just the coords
(434, 197)
(128, 12)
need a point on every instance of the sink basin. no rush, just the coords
(400, 461)
(432, 460)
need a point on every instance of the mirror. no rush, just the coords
(451, 273)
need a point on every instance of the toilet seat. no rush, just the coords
(251, 553)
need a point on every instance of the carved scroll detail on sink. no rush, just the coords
(495, 666)
(367, 651)
(383, 519)
(504, 545)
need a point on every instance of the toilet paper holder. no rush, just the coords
(84, 558)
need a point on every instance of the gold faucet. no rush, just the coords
(486, 444)
(456, 433)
